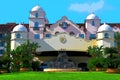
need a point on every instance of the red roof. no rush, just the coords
(9, 27)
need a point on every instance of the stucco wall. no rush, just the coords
(69, 43)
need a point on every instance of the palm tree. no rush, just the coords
(113, 58)
(97, 57)
(33, 46)
(27, 51)
(117, 40)
(95, 51)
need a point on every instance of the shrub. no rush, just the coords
(97, 62)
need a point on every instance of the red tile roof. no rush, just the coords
(9, 27)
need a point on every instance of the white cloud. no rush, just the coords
(95, 6)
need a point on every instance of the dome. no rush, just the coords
(37, 8)
(105, 27)
(92, 16)
(20, 28)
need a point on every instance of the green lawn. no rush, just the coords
(59, 76)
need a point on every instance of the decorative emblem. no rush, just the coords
(63, 39)
(64, 25)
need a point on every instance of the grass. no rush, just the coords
(59, 76)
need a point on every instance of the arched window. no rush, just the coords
(93, 23)
(64, 25)
(56, 33)
(106, 35)
(18, 35)
(72, 33)
(36, 15)
(36, 24)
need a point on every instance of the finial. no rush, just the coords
(104, 23)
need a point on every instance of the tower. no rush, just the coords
(19, 35)
(37, 23)
(105, 36)
(92, 23)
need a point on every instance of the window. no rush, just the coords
(36, 15)
(48, 35)
(115, 43)
(64, 25)
(36, 36)
(81, 35)
(56, 33)
(72, 33)
(36, 26)
(93, 23)
(18, 35)
(1, 51)
(1, 44)
(1, 35)
(106, 35)
(92, 36)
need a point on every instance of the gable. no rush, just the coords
(65, 42)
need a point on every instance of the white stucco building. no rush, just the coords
(64, 42)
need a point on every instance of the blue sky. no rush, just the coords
(76, 10)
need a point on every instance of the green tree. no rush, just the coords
(97, 57)
(112, 59)
(28, 51)
(95, 51)
(6, 56)
(117, 40)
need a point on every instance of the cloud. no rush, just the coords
(85, 7)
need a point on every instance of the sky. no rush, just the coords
(76, 10)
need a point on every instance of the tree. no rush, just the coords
(95, 51)
(27, 53)
(113, 58)
(117, 40)
(97, 57)
(6, 56)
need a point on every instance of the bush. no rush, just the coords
(35, 65)
(113, 58)
(97, 62)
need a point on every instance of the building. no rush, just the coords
(62, 43)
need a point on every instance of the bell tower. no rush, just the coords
(105, 36)
(92, 24)
(37, 21)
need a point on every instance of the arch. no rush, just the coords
(57, 33)
(106, 35)
(18, 35)
(93, 23)
(72, 33)
(36, 15)
(64, 25)
(36, 24)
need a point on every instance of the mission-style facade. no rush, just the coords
(64, 40)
